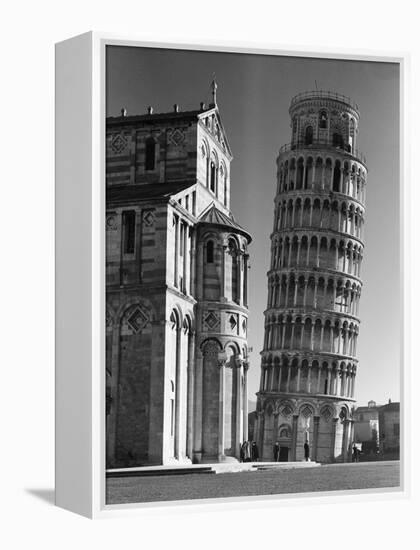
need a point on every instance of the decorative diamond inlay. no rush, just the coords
(211, 320)
(232, 322)
(118, 144)
(306, 411)
(326, 413)
(177, 137)
(137, 320)
(148, 218)
(287, 410)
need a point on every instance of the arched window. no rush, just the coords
(150, 154)
(233, 268)
(338, 140)
(337, 177)
(213, 176)
(309, 134)
(129, 231)
(210, 252)
(284, 432)
(295, 128)
(323, 119)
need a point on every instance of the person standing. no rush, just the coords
(254, 452)
(276, 452)
(306, 450)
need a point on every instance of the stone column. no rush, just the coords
(298, 379)
(329, 369)
(222, 366)
(308, 385)
(271, 383)
(333, 438)
(185, 260)
(337, 371)
(223, 277)
(315, 439)
(190, 396)
(344, 449)
(245, 403)
(198, 406)
(239, 408)
(261, 428)
(246, 258)
(315, 292)
(318, 382)
(295, 293)
(322, 339)
(292, 335)
(262, 375)
(354, 383)
(176, 273)
(305, 290)
(280, 374)
(312, 334)
(288, 378)
(112, 419)
(193, 256)
(200, 269)
(294, 436)
(239, 278)
(302, 333)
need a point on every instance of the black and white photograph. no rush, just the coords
(253, 275)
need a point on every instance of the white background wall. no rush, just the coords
(29, 31)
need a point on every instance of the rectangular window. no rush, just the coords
(181, 239)
(187, 202)
(193, 203)
(129, 231)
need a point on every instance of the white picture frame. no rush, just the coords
(80, 271)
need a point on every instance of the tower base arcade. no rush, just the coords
(289, 421)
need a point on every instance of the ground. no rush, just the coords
(330, 477)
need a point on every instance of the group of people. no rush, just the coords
(276, 451)
(249, 452)
(356, 453)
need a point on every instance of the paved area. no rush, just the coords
(331, 477)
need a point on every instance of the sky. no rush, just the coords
(253, 96)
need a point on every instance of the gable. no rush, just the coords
(215, 129)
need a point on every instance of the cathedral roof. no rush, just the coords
(212, 215)
(131, 193)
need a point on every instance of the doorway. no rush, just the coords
(284, 454)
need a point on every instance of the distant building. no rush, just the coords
(366, 427)
(389, 430)
(252, 421)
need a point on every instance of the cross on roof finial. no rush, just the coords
(213, 92)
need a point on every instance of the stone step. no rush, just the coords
(214, 468)
(159, 471)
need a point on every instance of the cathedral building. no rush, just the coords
(176, 291)
(309, 358)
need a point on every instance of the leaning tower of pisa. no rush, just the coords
(309, 359)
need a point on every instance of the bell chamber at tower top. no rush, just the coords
(321, 119)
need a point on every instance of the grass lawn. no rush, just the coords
(329, 477)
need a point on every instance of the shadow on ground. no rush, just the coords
(47, 495)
